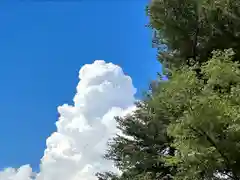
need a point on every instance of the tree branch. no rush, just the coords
(211, 141)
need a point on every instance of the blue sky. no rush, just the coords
(43, 46)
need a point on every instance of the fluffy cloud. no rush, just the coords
(75, 151)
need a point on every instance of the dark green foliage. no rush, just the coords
(143, 152)
(107, 176)
(192, 29)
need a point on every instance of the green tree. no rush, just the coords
(140, 150)
(192, 29)
(206, 122)
(187, 129)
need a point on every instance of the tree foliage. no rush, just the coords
(141, 148)
(194, 28)
(206, 126)
(188, 128)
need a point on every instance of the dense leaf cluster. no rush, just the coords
(194, 28)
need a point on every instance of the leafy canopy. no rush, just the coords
(205, 118)
(194, 28)
(188, 128)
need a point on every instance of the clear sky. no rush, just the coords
(42, 48)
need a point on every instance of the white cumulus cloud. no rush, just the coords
(75, 150)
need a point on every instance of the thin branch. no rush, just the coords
(195, 40)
